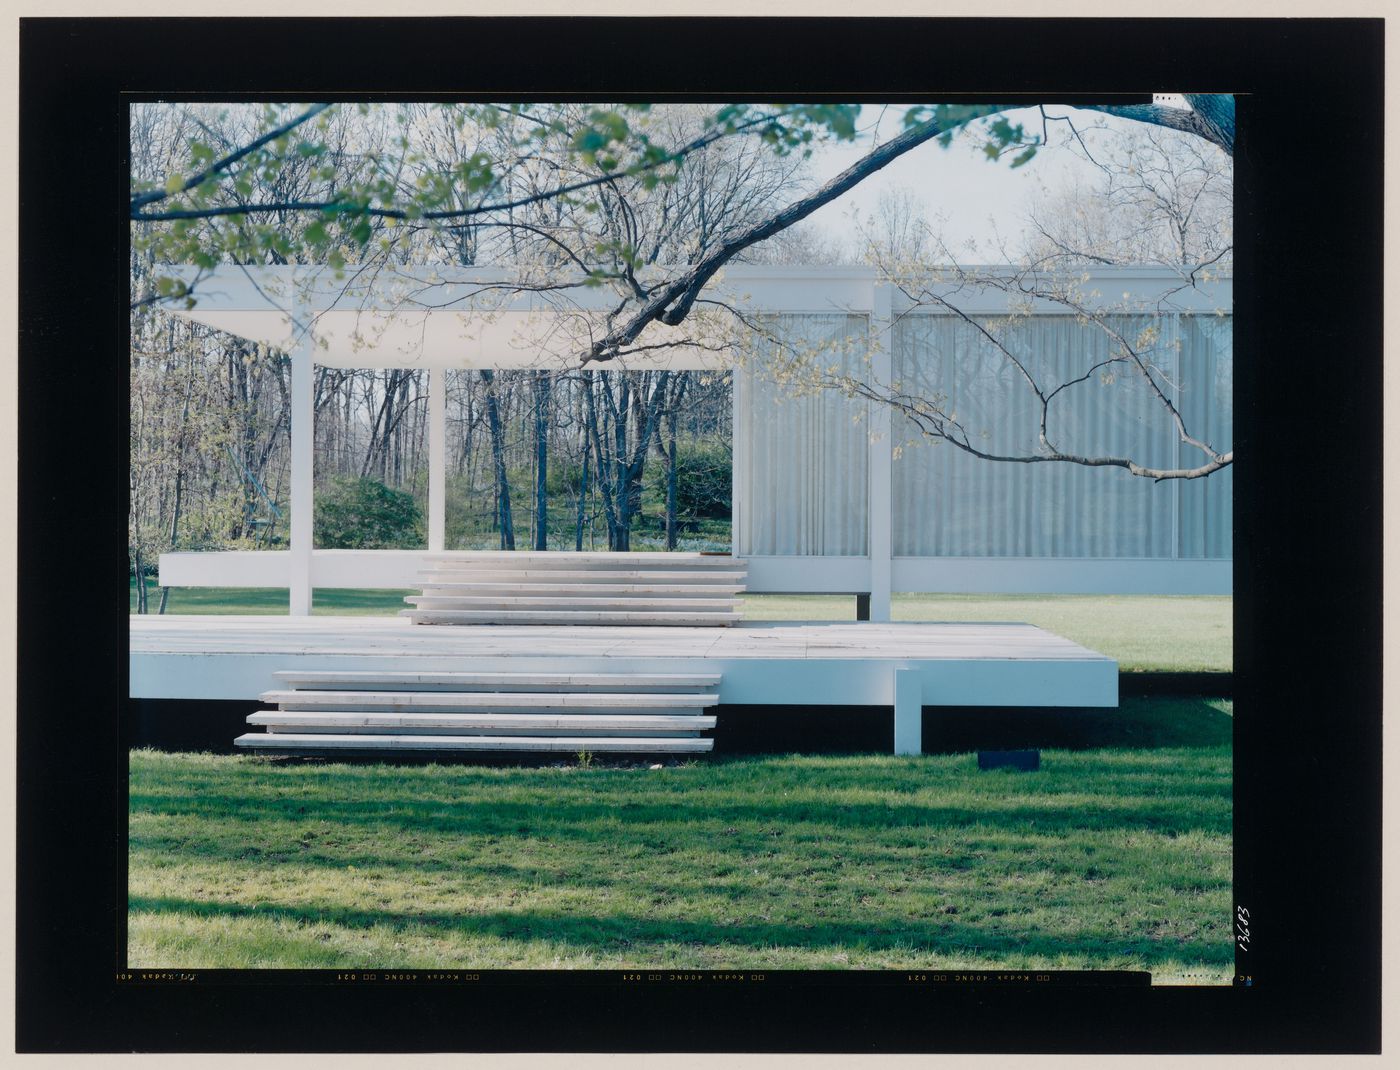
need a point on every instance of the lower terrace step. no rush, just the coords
(329, 711)
(317, 742)
(482, 724)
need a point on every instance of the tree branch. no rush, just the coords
(672, 302)
(398, 213)
(139, 200)
(1212, 117)
(935, 425)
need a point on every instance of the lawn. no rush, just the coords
(1108, 857)
(273, 600)
(1144, 633)
(1184, 633)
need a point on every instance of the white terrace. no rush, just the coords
(830, 495)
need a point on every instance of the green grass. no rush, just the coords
(272, 600)
(1106, 858)
(1188, 633)
(1145, 633)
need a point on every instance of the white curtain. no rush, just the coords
(949, 503)
(1208, 366)
(800, 456)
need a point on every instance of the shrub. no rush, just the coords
(364, 514)
(704, 482)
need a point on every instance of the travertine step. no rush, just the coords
(541, 589)
(328, 711)
(551, 576)
(538, 559)
(319, 742)
(520, 701)
(674, 618)
(571, 602)
(549, 587)
(338, 680)
(482, 723)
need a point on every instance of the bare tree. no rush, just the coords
(1163, 197)
(897, 233)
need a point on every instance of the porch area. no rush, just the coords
(903, 666)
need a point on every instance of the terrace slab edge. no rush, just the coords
(761, 663)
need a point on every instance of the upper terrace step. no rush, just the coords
(603, 586)
(499, 574)
(612, 683)
(572, 560)
(668, 618)
(570, 602)
(486, 700)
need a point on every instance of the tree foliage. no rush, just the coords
(364, 514)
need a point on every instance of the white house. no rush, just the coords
(831, 494)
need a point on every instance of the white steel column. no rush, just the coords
(908, 712)
(740, 441)
(303, 432)
(881, 449)
(437, 459)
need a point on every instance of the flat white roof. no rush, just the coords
(488, 317)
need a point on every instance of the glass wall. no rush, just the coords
(802, 477)
(801, 455)
(1205, 528)
(948, 503)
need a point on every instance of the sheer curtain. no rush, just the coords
(801, 456)
(1207, 381)
(949, 503)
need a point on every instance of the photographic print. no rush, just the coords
(734, 557)
(572, 435)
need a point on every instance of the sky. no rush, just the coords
(974, 197)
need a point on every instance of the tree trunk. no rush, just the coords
(179, 486)
(646, 410)
(671, 480)
(582, 498)
(498, 457)
(604, 480)
(141, 603)
(622, 540)
(672, 432)
(174, 532)
(542, 460)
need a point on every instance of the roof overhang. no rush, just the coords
(487, 317)
(436, 318)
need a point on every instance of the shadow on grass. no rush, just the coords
(331, 832)
(620, 931)
(1140, 722)
(1137, 723)
(1158, 809)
